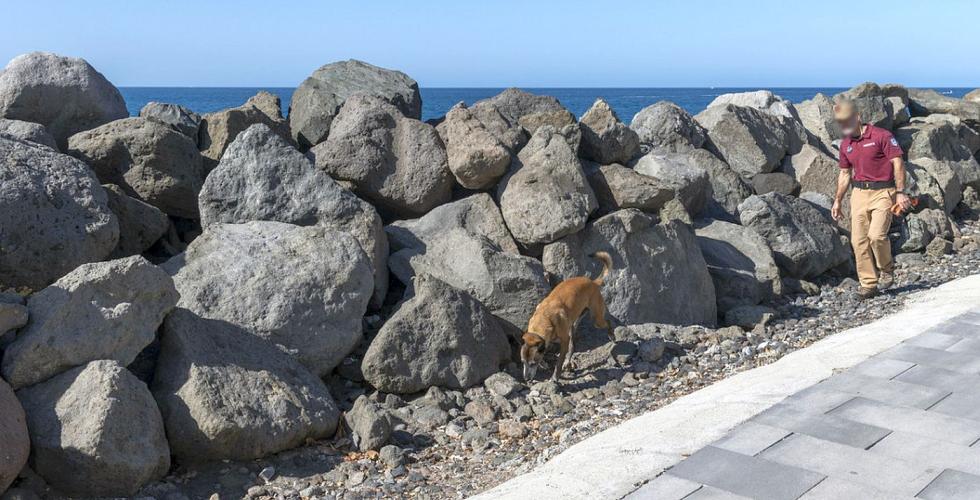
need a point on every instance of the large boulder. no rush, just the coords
(658, 274)
(103, 310)
(817, 172)
(775, 182)
(397, 163)
(780, 109)
(95, 431)
(545, 195)
(140, 224)
(871, 103)
(920, 228)
(180, 118)
(65, 94)
(478, 156)
(617, 187)
(804, 242)
(529, 111)
(27, 131)
(943, 191)
(440, 337)
(13, 434)
(147, 158)
(942, 142)
(817, 115)
(467, 245)
(302, 288)
(220, 128)
(668, 126)
(263, 177)
(749, 140)
(741, 264)
(317, 100)
(972, 96)
(228, 395)
(728, 189)
(54, 215)
(605, 139)
(924, 102)
(689, 181)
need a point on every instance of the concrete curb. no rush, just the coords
(616, 461)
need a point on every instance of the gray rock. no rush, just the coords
(749, 140)
(749, 316)
(226, 394)
(775, 182)
(13, 435)
(939, 247)
(220, 128)
(148, 159)
(651, 350)
(728, 189)
(477, 156)
(27, 131)
(972, 96)
(317, 100)
(924, 102)
(103, 310)
(140, 224)
(789, 125)
(898, 109)
(871, 104)
(65, 94)
(942, 191)
(392, 456)
(920, 228)
(545, 195)
(481, 412)
(803, 241)
(617, 187)
(645, 257)
(689, 181)
(430, 417)
(442, 336)
(943, 143)
(100, 423)
(668, 126)
(262, 177)
(813, 169)
(502, 384)
(54, 215)
(529, 111)
(397, 163)
(180, 118)
(303, 288)
(605, 139)
(12, 317)
(369, 423)
(741, 264)
(817, 115)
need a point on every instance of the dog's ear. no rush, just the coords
(531, 339)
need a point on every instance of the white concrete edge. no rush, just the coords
(616, 461)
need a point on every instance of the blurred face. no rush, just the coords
(532, 353)
(847, 118)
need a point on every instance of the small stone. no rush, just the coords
(502, 384)
(481, 412)
(939, 247)
(267, 474)
(430, 417)
(652, 350)
(512, 429)
(392, 456)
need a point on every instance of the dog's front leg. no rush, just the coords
(562, 353)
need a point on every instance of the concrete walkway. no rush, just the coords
(889, 410)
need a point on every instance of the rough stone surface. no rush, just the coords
(788, 124)
(27, 131)
(944, 177)
(741, 264)
(65, 94)
(395, 162)
(667, 125)
(803, 241)
(477, 156)
(871, 104)
(13, 315)
(369, 423)
(225, 394)
(262, 177)
(220, 128)
(748, 316)
(943, 143)
(529, 111)
(54, 215)
(775, 182)
(689, 181)
(13, 435)
(103, 310)
(302, 288)
(605, 139)
(467, 245)
(147, 158)
(440, 337)
(180, 118)
(645, 257)
(728, 189)
(921, 228)
(939, 247)
(140, 224)
(926, 102)
(817, 115)
(545, 195)
(95, 431)
(749, 140)
(617, 187)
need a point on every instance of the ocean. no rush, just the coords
(436, 101)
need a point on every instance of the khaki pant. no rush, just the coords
(871, 217)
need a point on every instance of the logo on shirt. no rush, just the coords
(894, 142)
(868, 145)
(850, 149)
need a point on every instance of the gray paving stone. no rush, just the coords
(964, 404)
(969, 317)
(831, 428)
(894, 392)
(958, 327)
(664, 487)
(750, 438)
(817, 399)
(933, 340)
(931, 452)
(970, 345)
(854, 464)
(881, 368)
(913, 420)
(709, 493)
(940, 378)
(746, 475)
(957, 361)
(834, 488)
(952, 485)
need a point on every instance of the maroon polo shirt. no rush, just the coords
(870, 155)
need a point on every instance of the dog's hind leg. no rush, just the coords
(562, 354)
(597, 307)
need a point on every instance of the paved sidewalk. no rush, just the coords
(903, 424)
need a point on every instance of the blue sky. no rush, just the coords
(627, 43)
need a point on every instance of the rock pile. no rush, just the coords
(185, 289)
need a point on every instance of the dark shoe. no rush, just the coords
(865, 293)
(885, 280)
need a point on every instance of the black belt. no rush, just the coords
(873, 184)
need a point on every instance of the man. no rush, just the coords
(871, 163)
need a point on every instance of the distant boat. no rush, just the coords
(948, 92)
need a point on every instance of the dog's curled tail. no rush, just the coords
(606, 266)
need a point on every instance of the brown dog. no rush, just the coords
(556, 316)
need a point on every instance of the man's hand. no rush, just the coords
(835, 211)
(903, 200)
